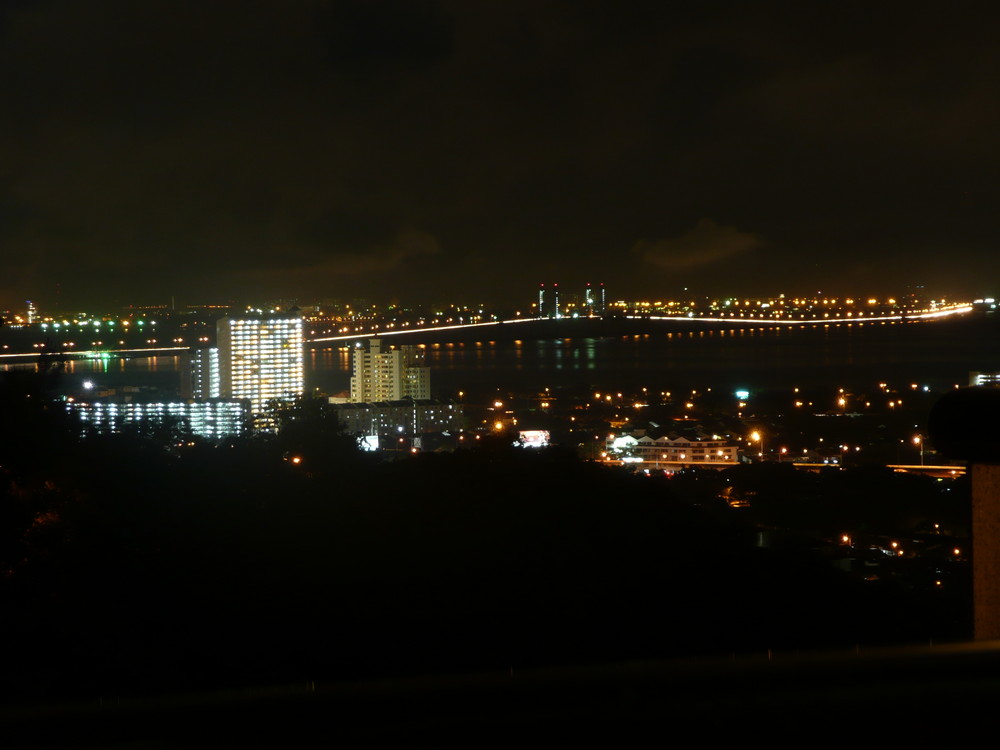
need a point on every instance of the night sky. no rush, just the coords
(417, 152)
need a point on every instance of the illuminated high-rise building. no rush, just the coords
(200, 374)
(388, 374)
(261, 358)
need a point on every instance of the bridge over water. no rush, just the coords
(519, 328)
(611, 325)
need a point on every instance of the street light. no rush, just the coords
(757, 437)
(919, 442)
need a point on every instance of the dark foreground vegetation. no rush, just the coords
(131, 565)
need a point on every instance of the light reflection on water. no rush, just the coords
(938, 354)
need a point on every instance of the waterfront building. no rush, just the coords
(208, 418)
(388, 374)
(261, 359)
(200, 374)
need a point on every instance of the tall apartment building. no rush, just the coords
(260, 358)
(200, 374)
(387, 374)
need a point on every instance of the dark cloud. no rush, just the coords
(342, 148)
(371, 37)
(341, 268)
(705, 244)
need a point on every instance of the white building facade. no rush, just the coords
(383, 374)
(261, 359)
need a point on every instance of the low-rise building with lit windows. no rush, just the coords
(207, 418)
(403, 417)
(671, 449)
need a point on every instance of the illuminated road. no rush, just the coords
(921, 315)
(422, 329)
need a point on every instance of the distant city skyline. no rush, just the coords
(434, 150)
(552, 300)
